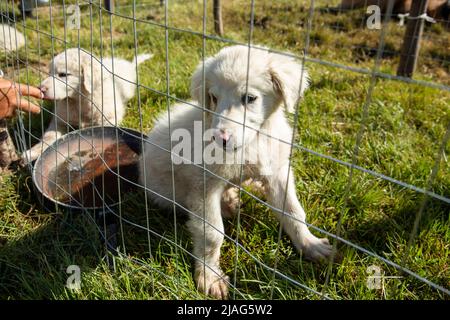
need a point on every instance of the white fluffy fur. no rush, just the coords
(10, 39)
(85, 93)
(274, 80)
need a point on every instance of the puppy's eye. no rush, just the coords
(213, 99)
(63, 75)
(248, 99)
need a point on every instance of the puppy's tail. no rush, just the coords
(141, 58)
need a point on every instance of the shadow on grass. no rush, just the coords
(33, 264)
(372, 233)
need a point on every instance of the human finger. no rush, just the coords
(26, 105)
(31, 91)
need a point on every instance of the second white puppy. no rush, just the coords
(85, 93)
(274, 81)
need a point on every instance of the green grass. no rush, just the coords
(405, 127)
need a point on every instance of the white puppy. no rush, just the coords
(85, 93)
(274, 81)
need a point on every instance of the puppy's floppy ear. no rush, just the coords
(90, 73)
(289, 78)
(197, 82)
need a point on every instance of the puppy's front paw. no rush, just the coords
(212, 283)
(230, 202)
(317, 249)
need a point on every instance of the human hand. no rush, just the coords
(12, 97)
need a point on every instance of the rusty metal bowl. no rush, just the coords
(91, 168)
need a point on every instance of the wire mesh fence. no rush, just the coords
(368, 148)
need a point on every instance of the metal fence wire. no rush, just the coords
(180, 35)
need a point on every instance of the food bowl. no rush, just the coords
(90, 168)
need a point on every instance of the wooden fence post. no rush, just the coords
(218, 23)
(411, 40)
(109, 5)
